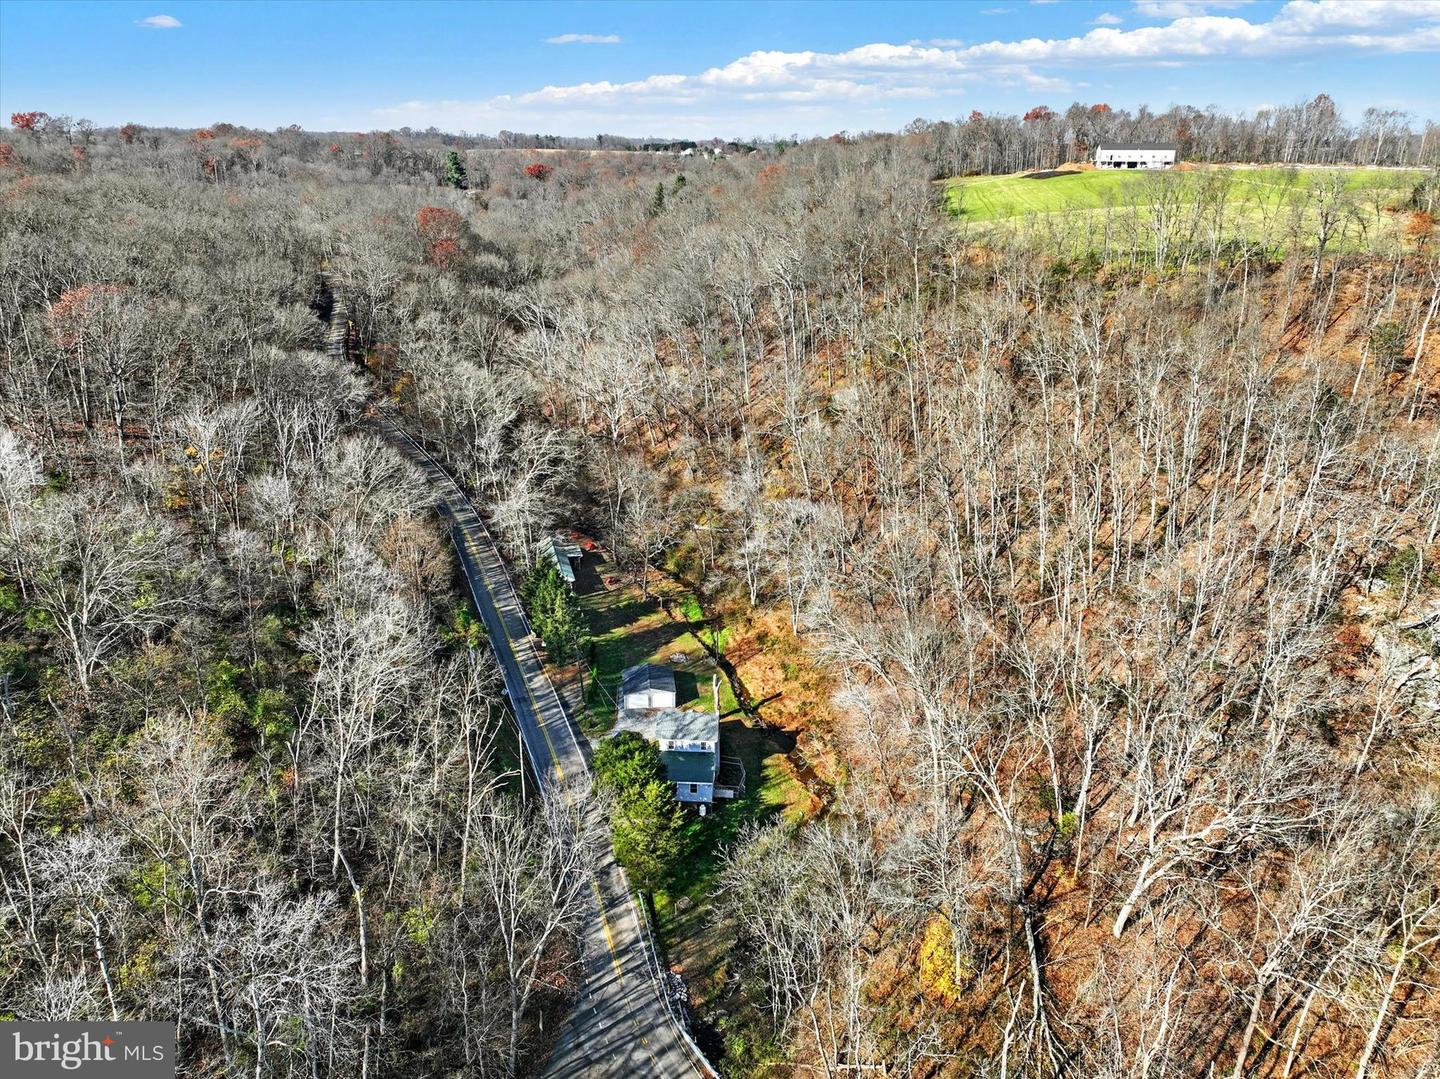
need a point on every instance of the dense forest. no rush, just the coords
(1117, 567)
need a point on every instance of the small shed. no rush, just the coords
(565, 553)
(647, 685)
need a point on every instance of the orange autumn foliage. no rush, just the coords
(69, 313)
(438, 222)
(770, 176)
(443, 253)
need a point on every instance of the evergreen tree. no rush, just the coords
(650, 829)
(454, 170)
(555, 612)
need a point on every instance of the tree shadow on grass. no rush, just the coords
(687, 690)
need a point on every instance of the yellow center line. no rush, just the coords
(471, 546)
(605, 928)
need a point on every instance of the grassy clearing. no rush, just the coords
(1173, 215)
(698, 941)
(996, 198)
(993, 198)
(627, 628)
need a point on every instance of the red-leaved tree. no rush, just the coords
(438, 223)
(129, 132)
(442, 228)
(1039, 112)
(536, 171)
(443, 253)
(28, 121)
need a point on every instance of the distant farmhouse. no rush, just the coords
(1135, 155)
(689, 742)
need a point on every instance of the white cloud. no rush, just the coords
(997, 11)
(1106, 18)
(1312, 16)
(583, 39)
(159, 22)
(1180, 9)
(779, 90)
(946, 42)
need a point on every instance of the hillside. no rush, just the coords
(1074, 605)
(993, 198)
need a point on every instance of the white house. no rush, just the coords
(689, 745)
(689, 742)
(647, 685)
(1135, 155)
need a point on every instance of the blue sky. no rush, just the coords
(699, 69)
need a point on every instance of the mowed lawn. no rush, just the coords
(627, 628)
(992, 198)
(996, 198)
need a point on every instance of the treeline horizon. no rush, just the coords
(1313, 132)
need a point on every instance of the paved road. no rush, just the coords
(620, 1026)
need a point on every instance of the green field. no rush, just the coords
(993, 198)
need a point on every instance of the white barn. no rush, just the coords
(1135, 155)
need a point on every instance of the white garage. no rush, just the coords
(647, 685)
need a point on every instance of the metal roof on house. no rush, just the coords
(669, 724)
(1135, 146)
(689, 767)
(646, 676)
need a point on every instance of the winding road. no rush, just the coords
(621, 1025)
